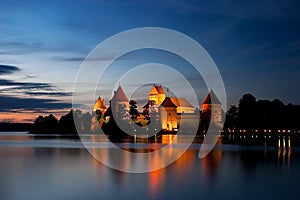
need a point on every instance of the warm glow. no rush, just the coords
(156, 181)
(27, 116)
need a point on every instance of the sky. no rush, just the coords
(255, 45)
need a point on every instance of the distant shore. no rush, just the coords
(17, 127)
(282, 138)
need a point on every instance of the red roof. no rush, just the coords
(120, 95)
(99, 104)
(181, 102)
(168, 103)
(211, 95)
(157, 89)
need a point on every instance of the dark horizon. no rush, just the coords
(261, 113)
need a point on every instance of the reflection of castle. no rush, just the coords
(169, 109)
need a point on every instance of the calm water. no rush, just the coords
(40, 168)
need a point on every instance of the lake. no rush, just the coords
(61, 168)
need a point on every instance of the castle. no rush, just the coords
(169, 109)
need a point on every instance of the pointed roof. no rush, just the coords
(211, 96)
(181, 102)
(157, 89)
(168, 103)
(120, 95)
(99, 104)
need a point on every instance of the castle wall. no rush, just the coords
(169, 118)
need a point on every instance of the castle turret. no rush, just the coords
(99, 106)
(168, 115)
(212, 107)
(119, 103)
(99, 109)
(157, 94)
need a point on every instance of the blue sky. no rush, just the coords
(255, 44)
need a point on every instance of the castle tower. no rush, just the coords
(157, 94)
(168, 115)
(99, 106)
(212, 107)
(119, 103)
(99, 109)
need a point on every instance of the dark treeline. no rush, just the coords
(262, 114)
(15, 126)
(65, 125)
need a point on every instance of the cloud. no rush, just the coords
(49, 93)
(24, 85)
(20, 47)
(10, 104)
(29, 97)
(105, 56)
(7, 69)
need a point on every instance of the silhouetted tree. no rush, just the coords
(262, 114)
(231, 120)
(133, 110)
(42, 125)
(38, 125)
(67, 125)
(247, 111)
(51, 123)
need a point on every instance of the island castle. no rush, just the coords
(168, 109)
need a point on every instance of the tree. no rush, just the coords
(133, 110)
(67, 125)
(247, 111)
(42, 125)
(231, 117)
(38, 125)
(51, 124)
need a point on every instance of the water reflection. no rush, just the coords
(211, 163)
(156, 182)
(36, 172)
(284, 151)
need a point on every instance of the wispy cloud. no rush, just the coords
(9, 104)
(49, 93)
(29, 97)
(24, 85)
(7, 69)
